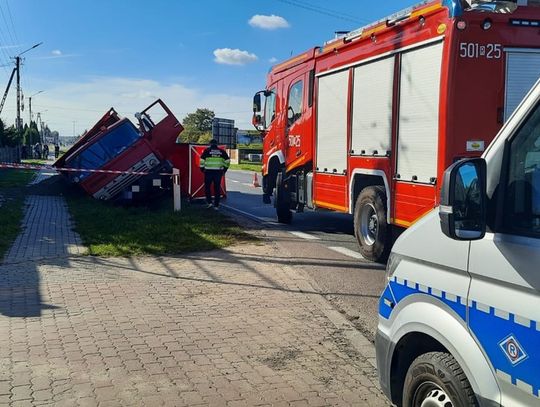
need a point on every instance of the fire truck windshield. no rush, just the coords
(490, 6)
(111, 145)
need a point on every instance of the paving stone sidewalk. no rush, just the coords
(213, 329)
(234, 327)
(47, 231)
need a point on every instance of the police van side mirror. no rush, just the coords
(462, 209)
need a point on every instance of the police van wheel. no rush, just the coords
(370, 227)
(435, 379)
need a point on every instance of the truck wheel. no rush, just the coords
(370, 227)
(436, 379)
(283, 207)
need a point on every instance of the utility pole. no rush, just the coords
(30, 105)
(40, 126)
(18, 122)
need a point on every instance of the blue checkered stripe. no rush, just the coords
(511, 342)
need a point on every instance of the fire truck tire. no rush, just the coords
(371, 229)
(284, 214)
(283, 208)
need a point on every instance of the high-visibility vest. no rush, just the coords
(214, 158)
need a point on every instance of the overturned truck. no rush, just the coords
(117, 160)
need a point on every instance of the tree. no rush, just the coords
(205, 138)
(198, 127)
(200, 120)
(31, 135)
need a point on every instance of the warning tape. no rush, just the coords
(50, 167)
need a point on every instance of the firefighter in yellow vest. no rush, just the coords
(214, 163)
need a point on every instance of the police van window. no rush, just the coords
(270, 108)
(522, 208)
(294, 109)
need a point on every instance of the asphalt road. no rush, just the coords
(323, 244)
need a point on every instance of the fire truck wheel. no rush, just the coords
(283, 207)
(436, 379)
(284, 214)
(370, 227)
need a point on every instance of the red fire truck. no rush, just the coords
(367, 123)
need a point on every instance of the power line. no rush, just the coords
(329, 10)
(3, 43)
(324, 11)
(72, 108)
(11, 19)
(6, 25)
(15, 38)
(3, 38)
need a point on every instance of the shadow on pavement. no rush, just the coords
(214, 268)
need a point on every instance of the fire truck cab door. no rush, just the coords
(296, 123)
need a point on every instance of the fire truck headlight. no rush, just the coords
(461, 25)
(487, 24)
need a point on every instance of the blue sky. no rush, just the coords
(123, 53)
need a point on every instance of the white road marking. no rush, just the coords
(233, 180)
(347, 252)
(247, 185)
(303, 235)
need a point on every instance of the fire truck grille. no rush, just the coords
(117, 185)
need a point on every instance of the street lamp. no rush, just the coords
(30, 104)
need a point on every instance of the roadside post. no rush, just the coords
(176, 190)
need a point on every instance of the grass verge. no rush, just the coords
(34, 161)
(247, 167)
(12, 195)
(109, 230)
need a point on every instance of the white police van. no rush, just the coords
(459, 320)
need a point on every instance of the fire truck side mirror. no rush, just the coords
(257, 103)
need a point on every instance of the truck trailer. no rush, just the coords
(367, 123)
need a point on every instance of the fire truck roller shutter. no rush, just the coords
(332, 122)
(419, 114)
(522, 72)
(372, 108)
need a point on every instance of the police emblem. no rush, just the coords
(513, 350)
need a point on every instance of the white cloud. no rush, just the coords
(230, 56)
(85, 102)
(272, 22)
(273, 60)
(56, 52)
